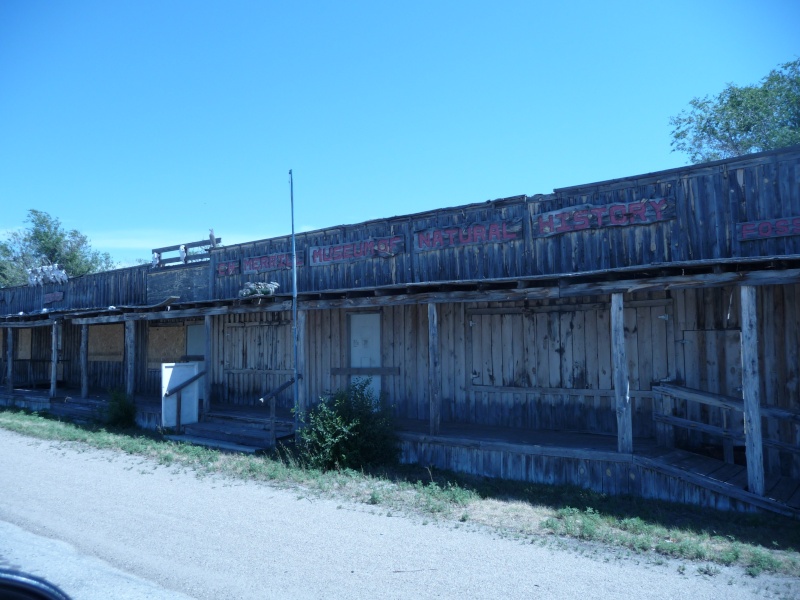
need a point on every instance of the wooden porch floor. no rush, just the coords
(782, 494)
(568, 444)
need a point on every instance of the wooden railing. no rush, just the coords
(271, 398)
(177, 390)
(728, 404)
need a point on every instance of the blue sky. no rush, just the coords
(144, 123)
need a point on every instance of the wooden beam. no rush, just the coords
(434, 371)
(722, 401)
(751, 389)
(84, 360)
(301, 361)
(695, 426)
(53, 359)
(677, 282)
(621, 383)
(28, 324)
(209, 328)
(130, 357)
(9, 360)
(365, 371)
(684, 393)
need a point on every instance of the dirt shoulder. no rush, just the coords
(211, 537)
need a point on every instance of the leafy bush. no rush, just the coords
(121, 411)
(351, 429)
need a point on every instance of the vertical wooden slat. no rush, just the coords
(434, 370)
(84, 360)
(53, 359)
(208, 322)
(130, 357)
(460, 381)
(9, 359)
(302, 385)
(621, 384)
(751, 388)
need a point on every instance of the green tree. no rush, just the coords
(742, 120)
(46, 242)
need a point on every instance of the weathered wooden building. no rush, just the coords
(639, 335)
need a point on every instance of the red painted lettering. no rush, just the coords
(494, 232)
(748, 230)
(465, 235)
(638, 209)
(782, 227)
(423, 239)
(658, 207)
(451, 233)
(580, 220)
(438, 241)
(616, 214)
(598, 214)
(546, 226)
(765, 229)
(508, 235)
(479, 233)
(564, 224)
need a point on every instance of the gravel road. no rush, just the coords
(103, 524)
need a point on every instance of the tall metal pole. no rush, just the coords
(296, 386)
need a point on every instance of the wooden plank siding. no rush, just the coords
(521, 290)
(703, 214)
(548, 366)
(707, 338)
(253, 356)
(110, 288)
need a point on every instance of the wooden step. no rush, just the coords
(237, 433)
(212, 443)
(255, 422)
(229, 432)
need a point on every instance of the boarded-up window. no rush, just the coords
(165, 344)
(107, 342)
(24, 344)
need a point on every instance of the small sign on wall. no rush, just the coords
(620, 214)
(769, 228)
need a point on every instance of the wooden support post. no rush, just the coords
(84, 360)
(9, 360)
(178, 412)
(272, 422)
(621, 383)
(53, 359)
(301, 361)
(751, 390)
(207, 365)
(130, 357)
(434, 371)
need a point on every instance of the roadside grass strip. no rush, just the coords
(532, 513)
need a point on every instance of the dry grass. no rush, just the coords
(529, 512)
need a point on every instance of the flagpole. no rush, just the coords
(294, 311)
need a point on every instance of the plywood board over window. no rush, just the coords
(106, 342)
(24, 344)
(165, 345)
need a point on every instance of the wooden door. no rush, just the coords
(365, 346)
